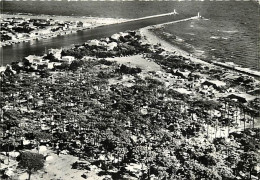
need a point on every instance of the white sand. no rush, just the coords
(59, 167)
(137, 61)
(91, 20)
(133, 61)
(153, 39)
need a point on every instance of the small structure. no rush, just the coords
(111, 45)
(2, 68)
(182, 90)
(199, 16)
(103, 43)
(79, 24)
(34, 59)
(56, 53)
(50, 65)
(115, 36)
(214, 83)
(93, 42)
(67, 59)
(123, 34)
(242, 97)
(184, 74)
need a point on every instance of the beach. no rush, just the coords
(153, 39)
(95, 21)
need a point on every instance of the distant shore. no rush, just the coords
(89, 22)
(99, 21)
(84, 19)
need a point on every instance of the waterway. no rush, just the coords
(16, 52)
(230, 33)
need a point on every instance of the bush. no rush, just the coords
(128, 70)
(75, 65)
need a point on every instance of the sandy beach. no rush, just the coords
(153, 39)
(92, 20)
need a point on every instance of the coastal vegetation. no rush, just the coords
(184, 121)
(22, 29)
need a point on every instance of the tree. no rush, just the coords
(41, 136)
(249, 161)
(32, 162)
(51, 57)
(75, 65)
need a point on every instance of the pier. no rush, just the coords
(247, 71)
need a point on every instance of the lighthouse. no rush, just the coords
(199, 16)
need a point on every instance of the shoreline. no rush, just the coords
(63, 157)
(169, 47)
(97, 21)
(153, 39)
(86, 19)
(90, 23)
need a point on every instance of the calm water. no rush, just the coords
(230, 34)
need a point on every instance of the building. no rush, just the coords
(56, 53)
(241, 97)
(67, 59)
(115, 36)
(111, 46)
(215, 84)
(50, 65)
(183, 74)
(34, 59)
(2, 68)
(79, 24)
(93, 42)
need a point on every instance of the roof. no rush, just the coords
(111, 45)
(182, 91)
(214, 83)
(242, 97)
(115, 36)
(93, 42)
(31, 58)
(2, 68)
(231, 76)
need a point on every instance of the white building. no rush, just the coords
(93, 42)
(111, 45)
(56, 53)
(115, 36)
(34, 59)
(2, 68)
(123, 34)
(68, 59)
(50, 65)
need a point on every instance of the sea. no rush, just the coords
(228, 31)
